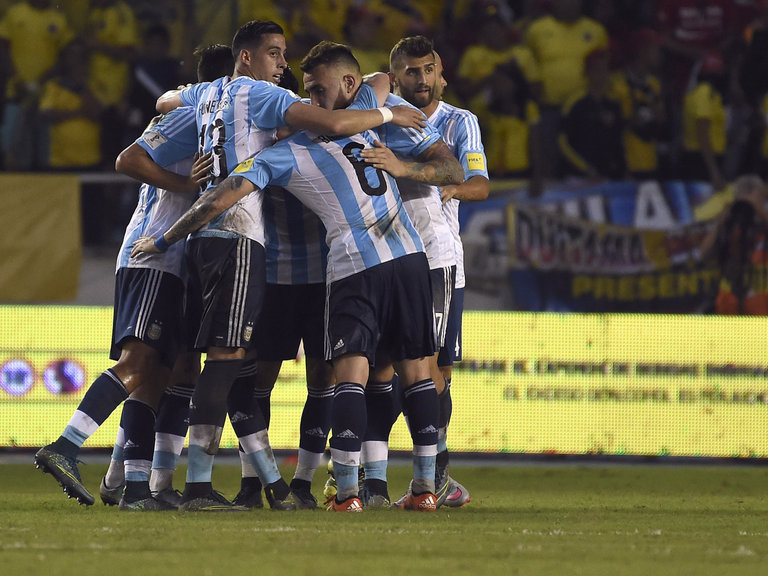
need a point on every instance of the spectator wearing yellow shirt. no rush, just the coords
(73, 112)
(639, 91)
(704, 124)
(112, 39)
(32, 34)
(510, 119)
(559, 43)
(498, 44)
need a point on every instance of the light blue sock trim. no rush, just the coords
(165, 460)
(346, 480)
(264, 462)
(376, 470)
(118, 453)
(200, 467)
(136, 476)
(77, 437)
(424, 467)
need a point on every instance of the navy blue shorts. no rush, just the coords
(149, 306)
(451, 351)
(443, 280)
(291, 313)
(388, 306)
(227, 279)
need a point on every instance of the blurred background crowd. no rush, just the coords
(591, 89)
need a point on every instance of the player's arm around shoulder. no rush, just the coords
(136, 162)
(212, 203)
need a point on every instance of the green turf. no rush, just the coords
(550, 520)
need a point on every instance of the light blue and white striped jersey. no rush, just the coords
(171, 143)
(461, 132)
(360, 206)
(237, 118)
(295, 248)
(422, 201)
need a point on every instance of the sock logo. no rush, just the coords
(130, 444)
(428, 430)
(239, 417)
(318, 432)
(347, 434)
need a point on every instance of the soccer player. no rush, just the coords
(335, 78)
(379, 294)
(236, 118)
(147, 326)
(172, 414)
(416, 71)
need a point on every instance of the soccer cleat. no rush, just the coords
(211, 502)
(110, 496)
(168, 496)
(374, 494)
(276, 503)
(426, 502)
(456, 495)
(303, 499)
(351, 504)
(401, 501)
(249, 497)
(65, 471)
(442, 484)
(148, 504)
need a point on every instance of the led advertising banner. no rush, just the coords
(530, 383)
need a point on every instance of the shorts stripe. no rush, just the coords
(148, 296)
(326, 333)
(240, 290)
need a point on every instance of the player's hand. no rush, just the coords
(201, 170)
(145, 244)
(448, 192)
(383, 158)
(408, 117)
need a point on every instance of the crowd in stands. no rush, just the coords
(594, 89)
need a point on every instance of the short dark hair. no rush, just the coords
(213, 62)
(331, 53)
(410, 47)
(288, 80)
(249, 34)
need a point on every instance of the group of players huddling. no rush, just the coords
(331, 224)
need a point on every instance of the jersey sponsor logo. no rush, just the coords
(475, 161)
(154, 332)
(244, 166)
(154, 139)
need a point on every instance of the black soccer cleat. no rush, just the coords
(65, 471)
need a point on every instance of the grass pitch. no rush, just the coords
(543, 519)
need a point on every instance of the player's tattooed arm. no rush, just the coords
(208, 206)
(435, 166)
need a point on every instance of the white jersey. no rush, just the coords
(421, 201)
(360, 206)
(171, 143)
(236, 119)
(461, 132)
